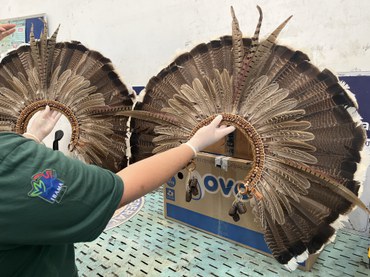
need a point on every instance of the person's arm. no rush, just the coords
(150, 173)
(6, 30)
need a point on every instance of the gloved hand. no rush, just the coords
(208, 135)
(43, 124)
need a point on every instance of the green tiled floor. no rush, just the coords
(150, 245)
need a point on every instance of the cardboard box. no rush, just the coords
(218, 177)
(234, 145)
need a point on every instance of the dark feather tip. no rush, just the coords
(113, 75)
(247, 42)
(328, 77)
(183, 59)
(355, 154)
(107, 67)
(349, 166)
(341, 115)
(164, 72)
(341, 208)
(359, 138)
(332, 217)
(72, 45)
(60, 45)
(307, 68)
(96, 56)
(297, 248)
(226, 41)
(299, 57)
(353, 186)
(199, 49)
(7, 59)
(284, 257)
(215, 44)
(105, 60)
(320, 237)
(283, 52)
(173, 68)
(339, 96)
(81, 48)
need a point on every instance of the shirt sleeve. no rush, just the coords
(48, 198)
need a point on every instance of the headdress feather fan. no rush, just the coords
(80, 83)
(306, 143)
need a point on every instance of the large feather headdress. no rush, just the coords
(70, 78)
(301, 124)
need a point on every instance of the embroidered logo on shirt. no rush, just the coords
(47, 186)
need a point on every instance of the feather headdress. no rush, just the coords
(74, 80)
(302, 126)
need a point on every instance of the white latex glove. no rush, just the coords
(43, 124)
(208, 135)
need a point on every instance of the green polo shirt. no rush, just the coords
(48, 202)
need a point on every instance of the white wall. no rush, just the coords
(141, 37)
